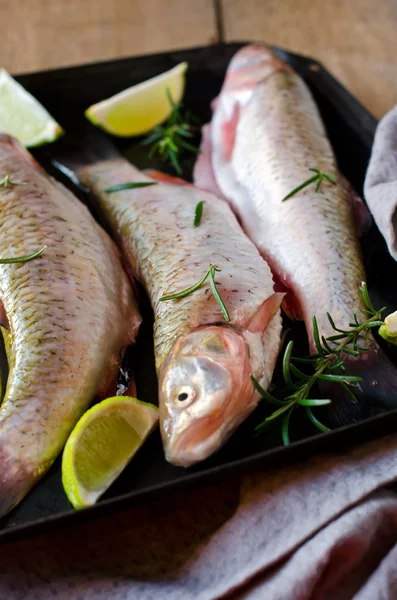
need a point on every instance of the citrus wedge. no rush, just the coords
(101, 445)
(138, 109)
(22, 116)
(389, 328)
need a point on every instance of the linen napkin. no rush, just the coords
(314, 530)
(380, 188)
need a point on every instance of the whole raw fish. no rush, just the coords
(265, 135)
(67, 314)
(203, 362)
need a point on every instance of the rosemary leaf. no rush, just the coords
(307, 361)
(216, 293)
(299, 373)
(188, 146)
(6, 182)
(264, 393)
(339, 378)
(315, 421)
(352, 352)
(287, 365)
(154, 137)
(349, 392)
(187, 291)
(198, 213)
(129, 186)
(211, 274)
(317, 178)
(310, 402)
(175, 162)
(337, 365)
(300, 187)
(316, 336)
(278, 412)
(22, 259)
(368, 303)
(285, 427)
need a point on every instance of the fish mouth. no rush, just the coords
(196, 443)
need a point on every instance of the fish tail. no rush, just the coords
(375, 393)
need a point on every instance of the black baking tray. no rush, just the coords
(66, 93)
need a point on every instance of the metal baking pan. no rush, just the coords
(66, 93)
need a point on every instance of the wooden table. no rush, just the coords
(356, 40)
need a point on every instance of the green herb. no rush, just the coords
(318, 179)
(211, 275)
(327, 363)
(22, 259)
(6, 182)
(198, 213)
(129, 186)
(170, 139)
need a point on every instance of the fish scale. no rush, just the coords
(69, 313)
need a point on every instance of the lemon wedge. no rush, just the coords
(389, 328)
(138, 109)
(22, 116)
(102, 444)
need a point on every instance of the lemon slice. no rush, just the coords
(22, 116)
(141, 107)
(101, 445)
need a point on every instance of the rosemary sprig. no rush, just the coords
(211, 275)
(317, 179)
(198, 213)
(170, 139)
(328, 366)
(22, 259)
(6, 181)
(129, 186)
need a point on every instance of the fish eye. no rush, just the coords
(186, 394)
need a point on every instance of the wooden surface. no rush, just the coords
(355, 39)
(41, 34)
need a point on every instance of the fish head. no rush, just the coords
(205, 392)
(249, 66)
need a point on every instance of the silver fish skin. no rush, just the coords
(265, 135)
(203, 362)
(66, 316)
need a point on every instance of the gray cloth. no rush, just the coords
(380, 189)
(316, 530)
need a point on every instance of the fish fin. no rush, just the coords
(361, 215)
(228, 133)
(119, 376)
(3, 317)
(6, 138)
(203, 174)
(160, 176)
(376, 392)
(265, 313)
(290, 303)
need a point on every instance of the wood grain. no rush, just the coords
(40, 34)
(355, 39)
